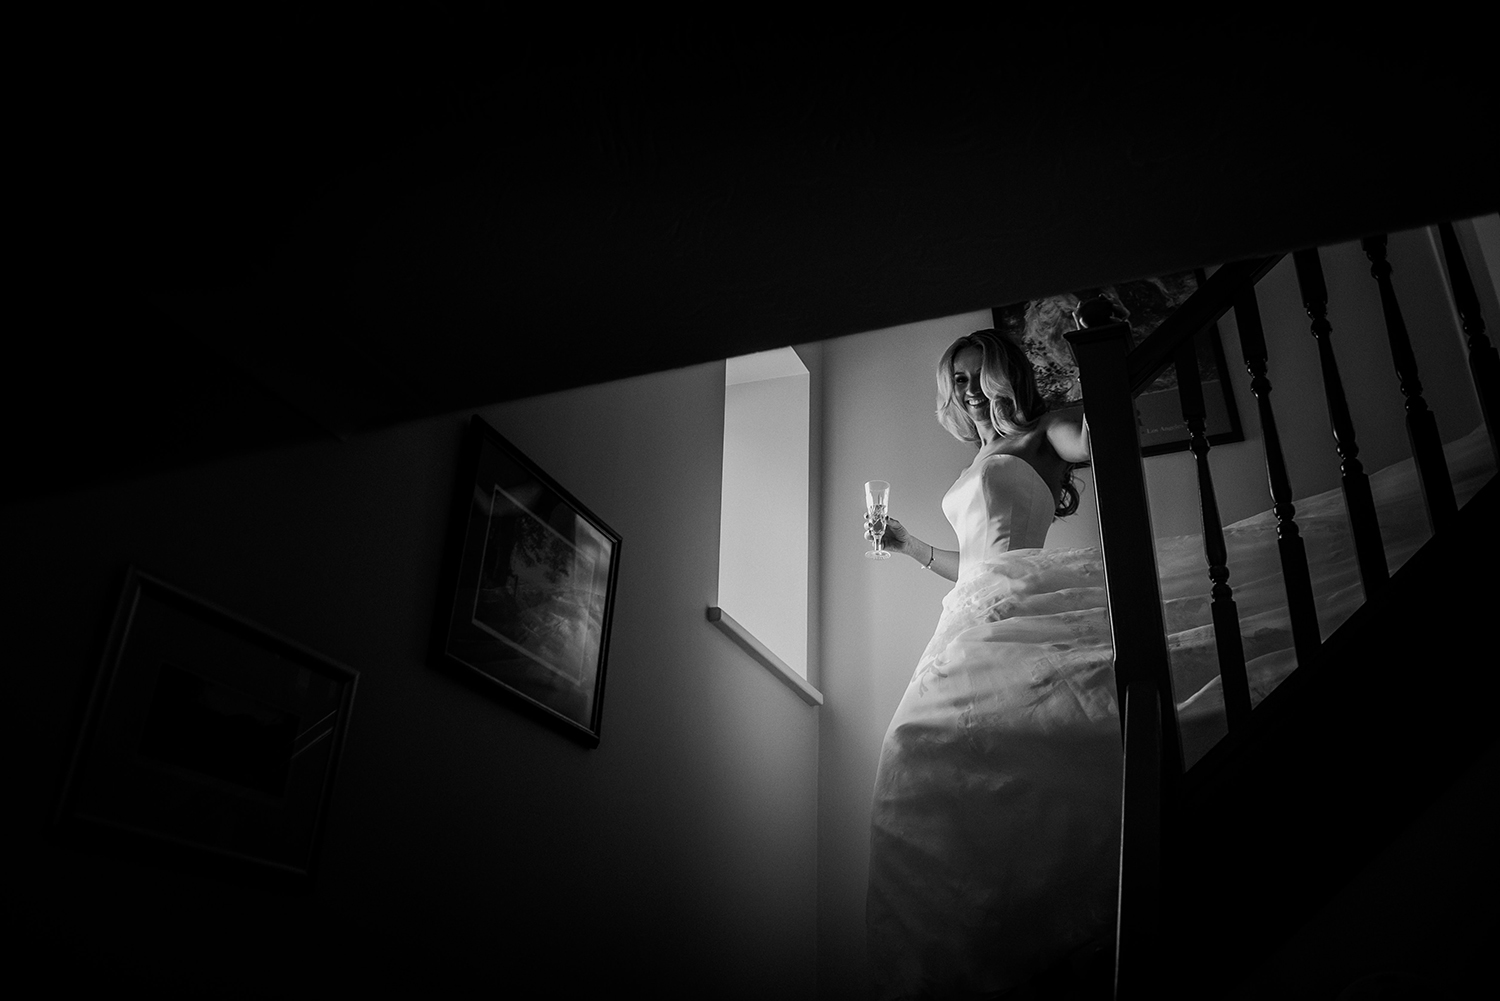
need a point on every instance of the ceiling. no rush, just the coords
(309, 228)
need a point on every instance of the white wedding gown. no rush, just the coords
(995, 821)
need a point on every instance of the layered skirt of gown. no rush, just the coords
(995, 820)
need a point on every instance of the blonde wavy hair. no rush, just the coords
(1016, 406)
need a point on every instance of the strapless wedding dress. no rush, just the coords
(995, 820)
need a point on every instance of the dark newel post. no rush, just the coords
(1153, 755)
(1421, 425)
(1226, 614)
(1368, 548)
(1138, 914)
(1484, 363)
(1299, 592)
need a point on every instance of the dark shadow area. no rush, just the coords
(380, 222)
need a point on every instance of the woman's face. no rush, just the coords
(968, 363)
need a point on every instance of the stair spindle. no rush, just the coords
(1484, 362)
(1226, 614)
(1421, 425)
(1299, 593)
(1368, 549)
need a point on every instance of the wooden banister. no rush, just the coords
(1112, 374)
(1421, 425)
(1293, 551)
(1226, 617)
(1212, 300)
(1369, 551)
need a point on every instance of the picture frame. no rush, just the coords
(528, 587)
(208, 741)
(1038, 326)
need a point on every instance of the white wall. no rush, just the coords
(879, 390)
(468, 847)
(879, 393)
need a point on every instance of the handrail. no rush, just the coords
(1114, 375)
(1213, 299)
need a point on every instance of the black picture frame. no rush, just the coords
(1038, 326)
(208, 742)
(528, 587)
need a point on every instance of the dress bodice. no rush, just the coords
(998, 504)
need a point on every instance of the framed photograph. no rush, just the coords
(207, 739)
(528, 587)
(1038, 327)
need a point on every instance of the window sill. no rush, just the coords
(762, 653)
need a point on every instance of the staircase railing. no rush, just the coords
(1113, 374)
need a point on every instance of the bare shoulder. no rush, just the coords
(1067, 434)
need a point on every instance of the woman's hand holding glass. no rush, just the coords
(895, 539)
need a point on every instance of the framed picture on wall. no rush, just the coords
(1038, 327)
(207, 740)
(528, 587)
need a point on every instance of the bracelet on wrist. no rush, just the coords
(931, 555)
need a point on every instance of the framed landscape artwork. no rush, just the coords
(208, 740)
(528, 587)
(1038, 327)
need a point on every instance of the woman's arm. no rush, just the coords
(943, 562)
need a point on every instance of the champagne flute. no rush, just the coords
(877, 497)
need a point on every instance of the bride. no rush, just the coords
(994, 846)
(995, 821)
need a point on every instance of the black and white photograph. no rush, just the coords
(767, 569)
(210, 736)
(534, 588)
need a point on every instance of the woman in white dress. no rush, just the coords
(995, 821)
(994, 848)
